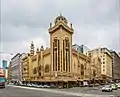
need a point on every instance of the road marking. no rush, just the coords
(64, 92)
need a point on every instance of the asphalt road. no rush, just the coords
(18, 91)
(92, 90)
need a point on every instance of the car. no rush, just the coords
(107, 88)
(46, 86)
(40, 86)
(33, 85)
(114, 86)
(118, 85)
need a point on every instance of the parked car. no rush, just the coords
(118, 85)
(107, 88)
(46, 86)
(114, 86)
(40, 86)
(29, 85)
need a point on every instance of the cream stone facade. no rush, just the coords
(59, 64)
(10, 72)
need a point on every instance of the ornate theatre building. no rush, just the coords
(60, 64)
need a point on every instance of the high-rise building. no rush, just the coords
(106, 62)
(15, 64)
(115, 66)
(82, 48)
(4, 64)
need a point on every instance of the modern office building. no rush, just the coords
(82, 48)
(15, 64)
(115, 66)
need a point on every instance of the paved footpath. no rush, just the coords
(19, 91)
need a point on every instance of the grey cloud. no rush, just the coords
(96, 22)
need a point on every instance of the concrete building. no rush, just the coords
(15, 61)
(115, 66)
(16, 66)
(106, 62)
(21, 57)
(60, 64)
(82, 48)
(10, 72)
(96, 76)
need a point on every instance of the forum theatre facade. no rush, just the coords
(59, 64)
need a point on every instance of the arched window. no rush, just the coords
(39, 69)
(34, 70)
(82, 67)
(82, 70)
(55, 53)
(47, 69)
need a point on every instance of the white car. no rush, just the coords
(114, 86)
(40, 86)
(46, 86)
(107, 88)
(118, 85)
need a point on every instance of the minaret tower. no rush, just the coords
(32, 48)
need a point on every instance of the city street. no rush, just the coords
(18, 91)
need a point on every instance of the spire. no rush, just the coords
(37, 50)
(60, 13)
(32, 48)
(42, 48)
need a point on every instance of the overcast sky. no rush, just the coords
(96, 23)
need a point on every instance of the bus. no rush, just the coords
(2, 80)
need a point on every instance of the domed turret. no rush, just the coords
(42, 48)
(60, 18)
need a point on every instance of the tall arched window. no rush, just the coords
(63, 55)
(67, 54)
(39, 70)
(82, 70)
(47, 68)
(55, 54)
(58, 55)
(34, 70)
